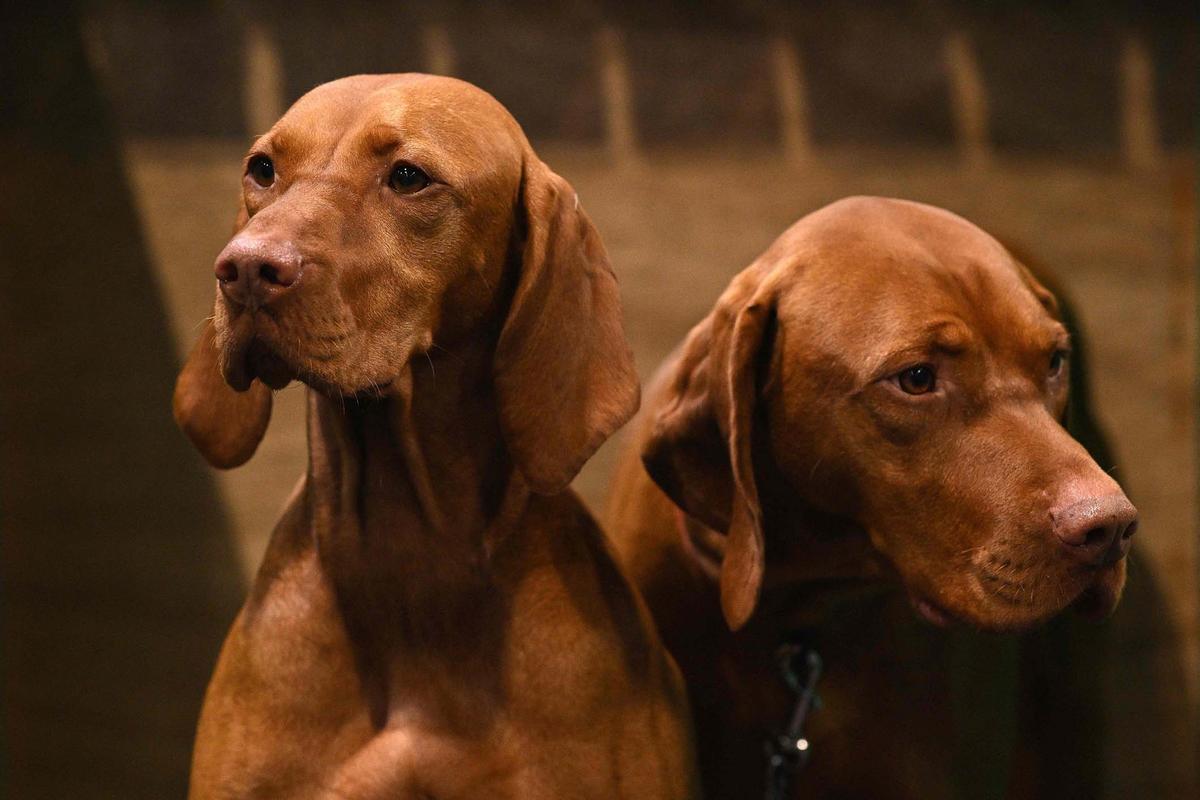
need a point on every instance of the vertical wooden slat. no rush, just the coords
(1139, 120)
(791, 94)
(617, 90)
(439, 50)
(968, 95)
(263, 93)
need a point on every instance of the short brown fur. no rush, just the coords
(779, 476)
(437, 616)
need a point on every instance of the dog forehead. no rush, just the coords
(875, 271)
(339, 102)
(869, 233)
(441, 117)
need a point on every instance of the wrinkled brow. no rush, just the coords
(1051, 336)
(382, 140)
(280, 143)
(947, 335)
(379, 140)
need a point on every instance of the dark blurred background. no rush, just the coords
(694, 133)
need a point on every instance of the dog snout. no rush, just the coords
(1096, 530)
(254, 272)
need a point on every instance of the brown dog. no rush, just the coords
(874, 402)
(437, 616)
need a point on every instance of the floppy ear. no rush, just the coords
(225, 425)
(700, 451)
(563, 369)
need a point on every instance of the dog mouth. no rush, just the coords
(931, 612)
(1019, 605)
(253, 346)
(1100, 598)
(247, 355)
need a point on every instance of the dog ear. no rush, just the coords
(563, 369)
(700, 451)
(1048, 292)
(1077, 418)
(225, 425)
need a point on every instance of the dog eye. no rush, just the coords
(261, 170)
(1058, 360)
(918, 380)
(407, 179)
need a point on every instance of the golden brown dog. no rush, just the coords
(437, 616)
(874, 402)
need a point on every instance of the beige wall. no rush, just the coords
(681, 224)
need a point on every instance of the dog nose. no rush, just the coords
(1096, 530)
(253, 272)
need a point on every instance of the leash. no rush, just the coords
(799, 665)
(789, 751)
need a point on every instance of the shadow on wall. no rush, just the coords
(119, 576)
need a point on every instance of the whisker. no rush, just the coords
(812, 473)
(486, 282)
(436, 346)
(431, 367)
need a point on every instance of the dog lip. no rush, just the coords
(1100, 598)
(248, 356)
(1095, 603)
(931, 612)
(362, 391)
(268, 366)
(234, 364)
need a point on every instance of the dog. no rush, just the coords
(868, 423)
(437, 615)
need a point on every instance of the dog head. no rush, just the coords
(890, 365)
(384, 216)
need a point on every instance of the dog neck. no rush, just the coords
(819, 576)
(405, 492)
(818, 562)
